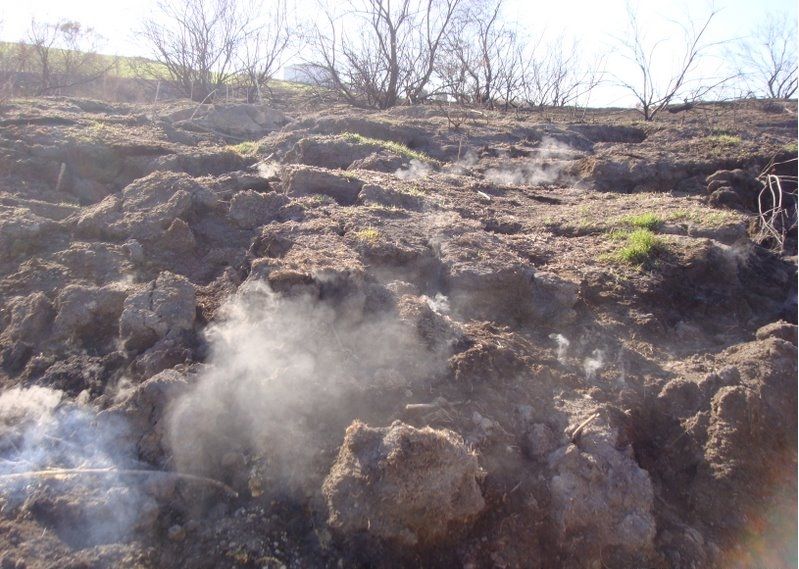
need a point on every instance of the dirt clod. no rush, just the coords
(402, 484)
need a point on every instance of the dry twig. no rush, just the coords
(776, 205)
(62, 472)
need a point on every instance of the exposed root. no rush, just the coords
(62, 472)
(578, 430)
(776, 206)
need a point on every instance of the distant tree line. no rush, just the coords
(52, 58)
(382, 53)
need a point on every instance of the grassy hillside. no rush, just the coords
(13, 56)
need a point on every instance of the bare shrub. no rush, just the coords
(777, 205)
(767, 58)
(268, 38)
(378, 53)
(480, 60)
(558, 74)
(60, 56)
(196, 43)
(653, 94)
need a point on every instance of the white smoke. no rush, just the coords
(439, 304)
(267, 169)
(593, 363)
(463, 164)
(416, 170)
(544, 168)
(39, 431)
(563, 344)
(286, 375)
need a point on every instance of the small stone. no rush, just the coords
(176, 533)
(539, 441)
(134, 250)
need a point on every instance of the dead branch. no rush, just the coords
(63, 472)
(578, 430)
(777, 207)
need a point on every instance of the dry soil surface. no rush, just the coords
(317, 336)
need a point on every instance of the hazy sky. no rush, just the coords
(594, 22)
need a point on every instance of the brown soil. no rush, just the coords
(433, 356)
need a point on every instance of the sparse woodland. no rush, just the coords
(380, 54)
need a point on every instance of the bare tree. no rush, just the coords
(63, 55)
(379, 53)
(267, 40)
(197, 41)
(480, 60)
(653, 94)
(7, 71)
(768, 57)
(558, 73)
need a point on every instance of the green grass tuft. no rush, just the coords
(394, 147)
(643, 221)
(724, 139)
(245, 148)
(618, 234)
(641, 245)
(368, 234)
(704, 218)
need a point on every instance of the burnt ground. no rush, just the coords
(283, 300)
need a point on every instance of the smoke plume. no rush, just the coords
(593, 363)
(40, 431)
(286, 375)
(544, 168)
(563, 344)
(416, 170)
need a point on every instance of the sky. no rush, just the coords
(595, 23)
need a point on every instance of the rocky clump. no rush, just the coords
(601, 498)
(22, 231)
(781, 329)
(164, 306)
(402, 484)
(486, 277)
(730, 426)
(245, 121)
(383, 161)
(88, 312)
(736, 189)
(250, 209)
(334, 152)
(307, 181)
(146, 209)
(143, 410)
(388, 197)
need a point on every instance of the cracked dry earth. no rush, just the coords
(429, 354)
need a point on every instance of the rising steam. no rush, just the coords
(563, 344)
(543, 168)
(416, 170)
(39, 431)
(593, 363)
(285, 378)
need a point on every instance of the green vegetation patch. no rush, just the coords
(395, 147)
(300, 88)
(643, 221)
(705, 218)
(724, 139)
(368, 234)
(639, 247)
(245, 148)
